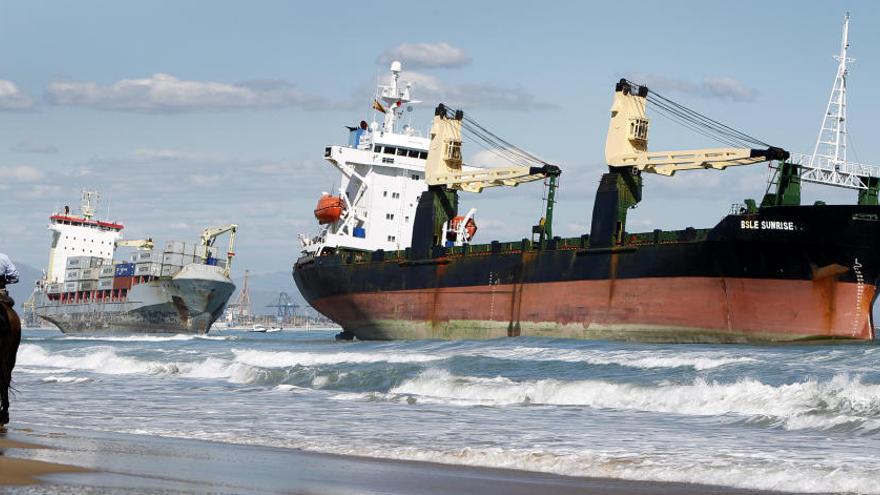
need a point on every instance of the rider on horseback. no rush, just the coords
(8, 275)
(10, 334)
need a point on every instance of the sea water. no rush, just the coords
(787, 417)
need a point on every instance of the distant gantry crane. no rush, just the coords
(828, 164)
(285, 309)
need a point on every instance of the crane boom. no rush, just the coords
(144, 244)
(627, 141)
(444, 164)
(211, 234)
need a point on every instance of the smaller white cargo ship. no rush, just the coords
(183, 288)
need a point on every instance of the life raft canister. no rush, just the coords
(470, 228)
(329, 209)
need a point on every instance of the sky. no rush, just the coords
(185, 115)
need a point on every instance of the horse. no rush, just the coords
(10, 338)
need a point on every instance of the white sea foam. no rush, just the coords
(755, 471)
(105, 360)
(807, 404)
(749, 472)
(66, 379)
(699, 360)
(148, 338)
(286, 359)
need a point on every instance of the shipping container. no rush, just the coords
(105, 284)
(122, 282)
(54, 288)
(175, 247)
(142, 269)
(107, 271)
(71, 275)
(74, 262)
(145, 256)
(87, 285)
(70, 286)
(173, 259)
(124, 270)
(89, 273)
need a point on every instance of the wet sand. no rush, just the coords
(82, 461)
(16, 471)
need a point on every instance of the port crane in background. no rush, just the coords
(211, 234)
(285, 308)
(828, 163)
(241, 311)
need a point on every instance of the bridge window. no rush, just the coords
(413, 153)
(423, 155)
(390, 150)
(401, 151)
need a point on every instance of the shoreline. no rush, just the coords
(67, 460)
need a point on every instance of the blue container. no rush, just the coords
(360, 232)
(212, 261)
(125, 270)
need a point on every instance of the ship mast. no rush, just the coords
(828, 164)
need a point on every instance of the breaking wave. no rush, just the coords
(147, 338)
(842, 400)
(635, 359)
(286, 359)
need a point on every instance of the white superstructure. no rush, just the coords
(383, 171)
(79, 235)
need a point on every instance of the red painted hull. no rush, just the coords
(671, 309)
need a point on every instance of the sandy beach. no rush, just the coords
(37, 459)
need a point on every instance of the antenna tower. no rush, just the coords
(828, 164)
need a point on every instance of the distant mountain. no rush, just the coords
(28, 276)
(265, 288)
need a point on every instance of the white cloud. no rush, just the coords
(12, 98)
(718, 87)
(163, 93)
(21, 173)
(472, 95)
(425, 55)
(29, 146)
(168, 154)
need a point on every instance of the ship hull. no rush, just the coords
(811, 274)
(188, 303)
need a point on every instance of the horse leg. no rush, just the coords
(5, 362)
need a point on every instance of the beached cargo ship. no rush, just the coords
(774, 271)
(180, 289)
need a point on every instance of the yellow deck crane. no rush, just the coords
(446, 175)
(139, 244)
(210, 235)
(627, 156)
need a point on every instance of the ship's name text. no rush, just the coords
(766, 225)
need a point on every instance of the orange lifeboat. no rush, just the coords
(329, 209)
(470, 228)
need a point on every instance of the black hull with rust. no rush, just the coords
(778, 273)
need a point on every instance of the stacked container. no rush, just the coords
(177, 254)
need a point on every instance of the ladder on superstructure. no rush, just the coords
(828, 164)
